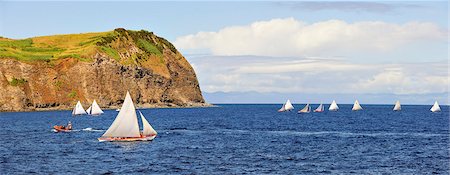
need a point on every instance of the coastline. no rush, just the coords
(139, 106)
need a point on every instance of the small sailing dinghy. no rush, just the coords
(125, 127)
(286, 106)
(94, 109)
(78, 110)
(356, 106)
(306, 109)
(321, 108)
(436, 107)
(397, 106)
(333, 106)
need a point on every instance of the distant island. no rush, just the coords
(54, 72)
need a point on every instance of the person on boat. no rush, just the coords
(69, 126)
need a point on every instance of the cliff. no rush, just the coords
(54, 72)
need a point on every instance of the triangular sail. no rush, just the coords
(320, 108)
(78, 110)
(333, 106)
(288, 106)
(436, 107)
(95, 109)
(306, 109)
(397, 106)
(356, 106)
(126, 123)
(147, 128)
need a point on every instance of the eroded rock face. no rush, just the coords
(38, 85)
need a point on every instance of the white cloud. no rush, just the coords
(310, 75)
(291, 37)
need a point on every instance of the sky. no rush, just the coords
(308, 51)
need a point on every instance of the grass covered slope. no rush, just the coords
(127, 47)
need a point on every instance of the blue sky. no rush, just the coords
(290, 48)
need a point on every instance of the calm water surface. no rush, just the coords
(234, 139)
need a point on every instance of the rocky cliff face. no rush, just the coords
(154, 72)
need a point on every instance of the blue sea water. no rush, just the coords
(234, 139)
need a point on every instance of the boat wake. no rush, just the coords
(92, 130)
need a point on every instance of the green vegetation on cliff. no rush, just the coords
(115, 44)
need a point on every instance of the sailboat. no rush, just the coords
(435, 107)
(94, 109)
(356, 106)
(321, 108)
(306, 109)
(286, 106)
(333, 106)
(78, 110)
(397, 106)
(126, 127)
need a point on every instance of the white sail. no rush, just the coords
(126, 123)
(288, 106)
(333, 106)
(95, 109)
(397, 106)
(147, 128)
(435, 107)
(306, 109)
(320, 108)
(356, 106)
(78, 110)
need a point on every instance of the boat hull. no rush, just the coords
(126, 139)
(60, 129)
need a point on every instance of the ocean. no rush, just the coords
(234, 139)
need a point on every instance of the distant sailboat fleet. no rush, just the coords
(94, 109)
(334, 107)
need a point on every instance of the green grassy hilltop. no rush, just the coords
(84, 46)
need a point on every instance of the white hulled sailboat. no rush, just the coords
(126, 128)
(306, 109)
(78, 110)
(321, 108)
(356, 106)
(436, 107)
(286, 106)
(94, 109)
(397, 106)
(333, 106)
